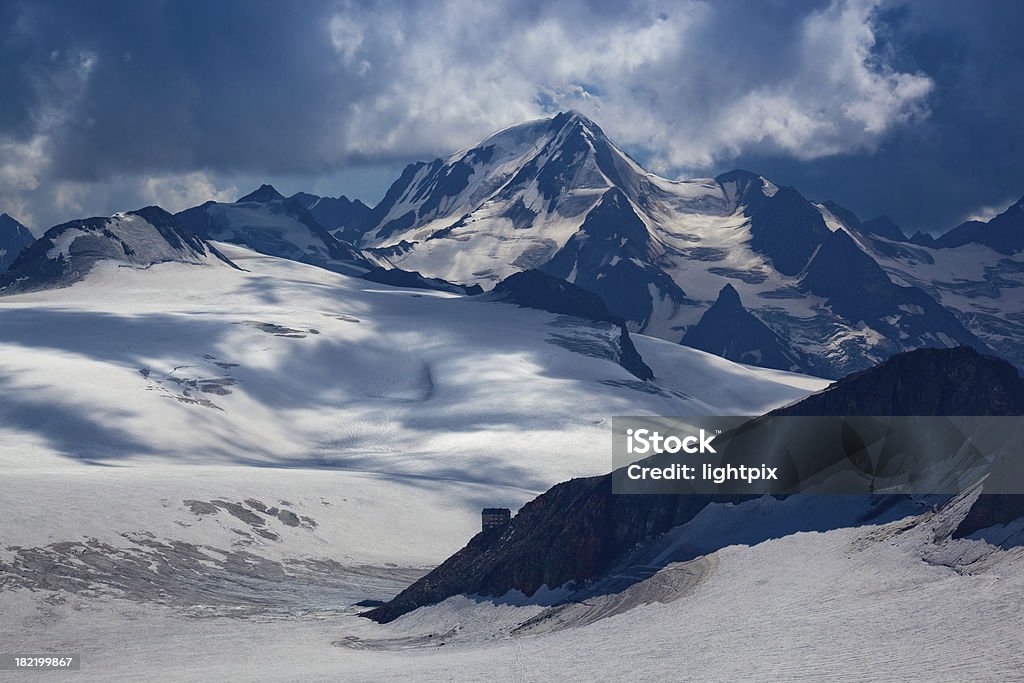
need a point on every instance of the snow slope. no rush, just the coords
(205, 468)
(983, 287)
(858, 604)
(288, 364)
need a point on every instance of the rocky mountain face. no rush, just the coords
(538, 173)
(534, 289)
(576, 531)
(344, 218)
(615, 256)
(264, 220)
(556, 195)
(13, 238)
(938, 382)
(67, 252)
(975, 271)
(1003, 233)
(728, 330)
(883, 226)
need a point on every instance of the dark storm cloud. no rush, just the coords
(906, 109)
(964, 160)
(180, 85)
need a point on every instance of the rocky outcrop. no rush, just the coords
(577, 530)
(787, 229)
(265, 221)
(857, 290)
(1004, 233)
(939, 382)
(534, 289)
(396, 277)
(570, 534)
(729, 330)
(343, 217)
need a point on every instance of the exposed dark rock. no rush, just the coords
(848, 217)
(630, 358)
(288, 518)
(159, 237)
(394, 193)
(743, 188)
(571, 533)
(922, 238)
(397, 277)
(14, 237)
(265, 193)
(990, 510)
(534, 289)
(939, 382)
(246, 223)
(345, 218)
(521, 215)
(611, 255)
(1004, 233)
(787, 229)
(858, 290)
(403, 222)
(729, 330)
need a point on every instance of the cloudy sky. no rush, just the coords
(907, 108)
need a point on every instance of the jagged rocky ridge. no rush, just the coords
(975, 270)
(577, 530)
(344, 218)
(535, 289)
(1004, 233)
(266, 221)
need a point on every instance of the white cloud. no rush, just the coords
(689, 85)
(347, 39)
(988, 212)
(660, 78)
(175, 192)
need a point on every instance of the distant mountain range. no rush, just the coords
(272, 224)
(735, 265)
(826, 292)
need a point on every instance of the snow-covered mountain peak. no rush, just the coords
(271, 224)
(66, 253)
(507, 204)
